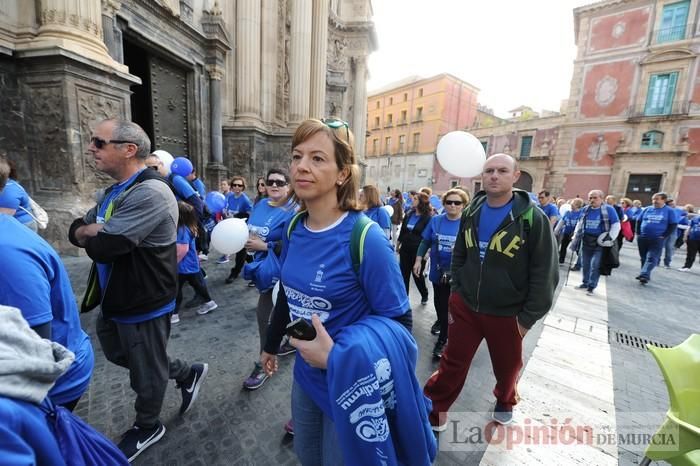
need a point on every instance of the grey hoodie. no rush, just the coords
(29, 365)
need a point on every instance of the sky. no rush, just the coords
(517, 52)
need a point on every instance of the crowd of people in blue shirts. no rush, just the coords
(317, 242)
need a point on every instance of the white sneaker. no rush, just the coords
(174, 319)
(206, 307)
(203, 257)
(684, 269)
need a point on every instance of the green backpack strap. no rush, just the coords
(527, 218)
(293, 223)
(357, 240)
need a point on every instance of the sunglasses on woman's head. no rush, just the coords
(278, 183)
(335, 123)
(453, 202)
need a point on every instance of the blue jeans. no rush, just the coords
(649, 253)
(669, 248)
(315, 440)
(590, 263)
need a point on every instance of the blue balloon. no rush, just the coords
(435, 202)
(182, 166)
(215, 202)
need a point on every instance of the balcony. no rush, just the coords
(670, 34)
(677, 110)
(402, 122)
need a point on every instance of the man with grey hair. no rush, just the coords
(598, 222)
(131, 236)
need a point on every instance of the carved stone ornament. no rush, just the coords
(597, 150)
(618, 29)
(93, 108)
(605, 91)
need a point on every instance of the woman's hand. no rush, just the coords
(316, 351)
(269, 363)
(417, 266)
(255, 243)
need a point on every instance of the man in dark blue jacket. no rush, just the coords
(130, 235)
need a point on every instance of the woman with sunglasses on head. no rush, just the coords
(370, 197)
(261, 190)
(415, 221)
(266, 228)
(238, 205)
(439, 237)
(321, 286)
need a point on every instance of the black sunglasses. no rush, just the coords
(278, 183)
(100, 143)
(453, 203)
(237, 185)
(335, 123)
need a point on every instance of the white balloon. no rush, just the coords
(229, 236)
(275, 290)
(461, 154)
(389, 209)
(564, 208)
(164, 157)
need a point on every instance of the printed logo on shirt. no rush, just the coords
(319, 273)
(262, 232)
(303, 305)
(446, 242)
(500, 242)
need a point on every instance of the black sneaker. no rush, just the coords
(643, 280)
(575, 269)
(137, 439)
(438, 350)
(502, 414)
(435, 329)
(191, 385)
(230, 279)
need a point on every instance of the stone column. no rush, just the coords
(248, 59)
(359, 106)
(217, 152)
(319, 44)
(112, 37)
(74, 25)
(270, 44)
(300, 60)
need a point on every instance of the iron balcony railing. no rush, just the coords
(670, 34)
(675, 109)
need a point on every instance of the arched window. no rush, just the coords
(524, 182)
(652, 140)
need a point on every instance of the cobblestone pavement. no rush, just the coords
(229, 425)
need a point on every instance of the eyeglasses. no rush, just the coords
(237, 185)
(453, 203)
(335, 123)
(100, 143)
(152, 167)
(278, 183)
(262, 183)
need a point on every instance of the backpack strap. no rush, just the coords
(357, 237)
(527, 219)
(357, 241)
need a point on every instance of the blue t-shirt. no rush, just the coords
(694, 232)
(183, 188)
(594, 224)
(633, 212)
(25, 435)
(381, 216)
(103, 270)
(490, 218)
(34, 280)
(550, 210)
(190, 263)
(442, 234)
(318, 278)
(238, 205)
(267, 222)
(14, 195)
(570, 220)
(655, 221)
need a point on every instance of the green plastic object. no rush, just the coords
(680, 367)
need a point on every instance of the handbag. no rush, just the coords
(79, 443)
(37, 213)
(626, 229)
